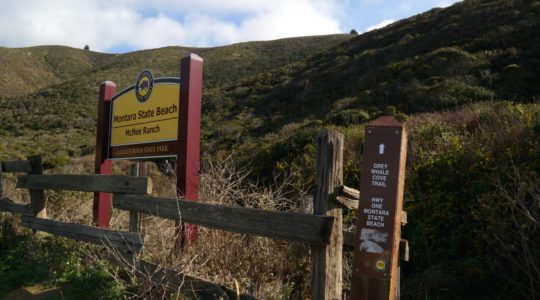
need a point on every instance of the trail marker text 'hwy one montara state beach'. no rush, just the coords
(379, 211)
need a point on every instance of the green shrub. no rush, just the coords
(465, 203)
(349, 117)
(27, 260)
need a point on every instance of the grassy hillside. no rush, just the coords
(27, 70)
(472, 51)
(439, 60)
(464, 79)
(34, 68)
(54, 110)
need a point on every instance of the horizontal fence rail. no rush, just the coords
(15, 208)
(16, 166)
(312, 229)
(192, 287)
(128, 241)
(87, 183)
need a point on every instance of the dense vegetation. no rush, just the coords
(465, 79)
(52, 262)
(473, 197)
(473, 51)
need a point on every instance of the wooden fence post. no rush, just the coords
(326, 280)
(38, 201)
(1, 182)
(138, 169)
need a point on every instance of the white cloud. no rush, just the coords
(382, 24)
(73, 23)
(105, 24)
(142, 24)
(415, 6)
(295, 19)
(445, 3)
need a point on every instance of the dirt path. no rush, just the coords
(38, 291)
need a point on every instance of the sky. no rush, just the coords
(119, 26)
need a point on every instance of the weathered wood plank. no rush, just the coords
(347, 197)
(403, 218)
(127, 241)
(87, 183)
(1, 182)
(350, 192)
(349, 203)
(279, 225)
(15, 208)
(189, 286)
(138, 169)
(16, 166)
(134, 219)
(326, 280)
(404, 250)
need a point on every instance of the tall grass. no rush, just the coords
(257, 266)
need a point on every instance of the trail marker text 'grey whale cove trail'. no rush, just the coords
(379, 210)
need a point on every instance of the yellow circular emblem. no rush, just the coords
(380, 265)
(144, 85)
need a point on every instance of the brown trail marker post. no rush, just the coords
(375, 266)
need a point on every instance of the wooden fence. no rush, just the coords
(322, 230)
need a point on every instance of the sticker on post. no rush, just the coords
(372, 240)
(380, 265)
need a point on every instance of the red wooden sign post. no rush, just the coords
(102, 201)
(129, 125)
(189, 128)
(379, 211)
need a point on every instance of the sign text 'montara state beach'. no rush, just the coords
(145, 117)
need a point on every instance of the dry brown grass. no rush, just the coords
(261, 267)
